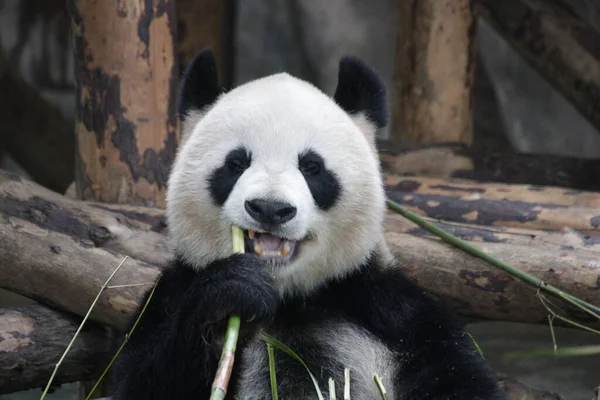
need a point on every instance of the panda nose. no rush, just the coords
(270, 212)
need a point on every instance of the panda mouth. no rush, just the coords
(269, 246)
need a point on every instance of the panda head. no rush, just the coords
(296, 169)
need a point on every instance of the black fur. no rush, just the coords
(174, 352)
(360, 89)
(324, 186)
(200, 83)
(222, 180)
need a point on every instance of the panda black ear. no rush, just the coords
(360, 90)
(200, 83)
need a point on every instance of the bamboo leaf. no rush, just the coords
(272, 372)
(281, 346)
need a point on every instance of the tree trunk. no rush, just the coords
(561, 46)
(435, 59)
(458, 161)
(32, 340)
(60, 252)
(126, 127)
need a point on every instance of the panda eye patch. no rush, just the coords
(238, 161)
(310, 164)
(222, 180)
(323, 183)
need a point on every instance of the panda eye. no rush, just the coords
(237, 161)
(310, 166)
(237, 165)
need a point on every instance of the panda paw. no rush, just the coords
(240, 284)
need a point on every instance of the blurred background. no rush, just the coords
(516, 106)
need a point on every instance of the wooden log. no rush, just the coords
(48, 252)
(467, 189)
(475, 290)
(34, 132)
(474, 208)
(35, 337)
(558, 44)
(32, 340)
(70, 248)
(458, 161)
(434, 73)
(126, 126)
(565, 239)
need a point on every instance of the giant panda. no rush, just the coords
(298, 171)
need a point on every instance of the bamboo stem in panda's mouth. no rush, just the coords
(221, 381)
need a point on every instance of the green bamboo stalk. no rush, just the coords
(380, 387)
(89, 311)
(476, 345)
(515, 272)
(221, 381)
(346, 383)
(331, 389)
(219, 388)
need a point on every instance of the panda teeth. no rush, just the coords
(286, 249)
(283, 251)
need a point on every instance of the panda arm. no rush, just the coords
(437, 359)
(174, 351)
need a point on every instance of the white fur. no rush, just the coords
(348, 344)
(277, 118)
(364, 354)
(188, 124)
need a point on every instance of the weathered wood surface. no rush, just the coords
(551, 240)
(561, 46)
(478, 206)
(34, 132)
(126, 125)
(32, 340)
(434, 74)
(467, 189)
(457, 161)
(61, 251)
(67, 249)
